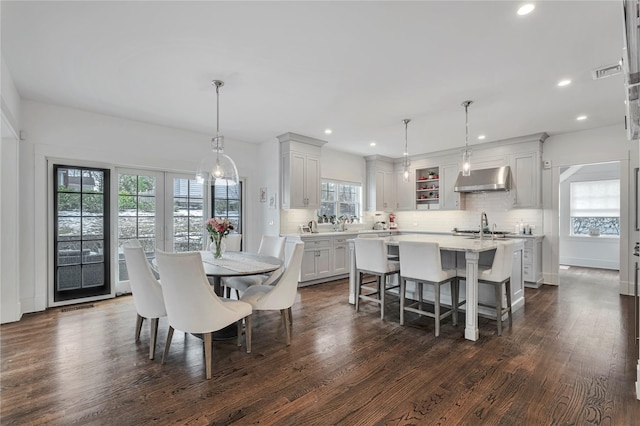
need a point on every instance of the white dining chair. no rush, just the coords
(282, 295)
(371, 258)
(146, 291)
(233, 242)
(192, 305)
(269, 246)
(421, 263)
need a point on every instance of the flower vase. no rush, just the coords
(218, 246)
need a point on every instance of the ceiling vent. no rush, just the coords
(607, 71)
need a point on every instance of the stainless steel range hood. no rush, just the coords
(497, 179)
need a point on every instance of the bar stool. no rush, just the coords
(371, 258)
(421, 262)
(498, 275)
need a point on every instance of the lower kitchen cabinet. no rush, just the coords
(325, 257)
(340, 256)
(316, 260)
(531, 260)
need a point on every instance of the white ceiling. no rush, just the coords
(358, 68)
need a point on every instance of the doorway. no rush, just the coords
(589, 219)
(81, 232)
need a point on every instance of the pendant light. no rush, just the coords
(218, 168)
(405, 163)
(466, 154)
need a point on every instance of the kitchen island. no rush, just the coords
(453, 248)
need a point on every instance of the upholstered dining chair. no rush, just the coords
(147, 293)
(282, 295)
(192, 305)
(421, 263)
(233, 242)
(371, 258)
(269, 246)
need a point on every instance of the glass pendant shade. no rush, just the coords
(466, 162)
(217, 168)
(405, 176)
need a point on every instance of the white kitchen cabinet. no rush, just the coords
(449, 199)
(525, 172)
(405, 191)
(340, 256)
(531, 260)
(300, 171)
(380, 184)
(316, 260)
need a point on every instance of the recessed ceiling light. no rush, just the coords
(481, 137)
(581, 117)
(372, 144)
(564, 82)
(327, 131)
(526, 9)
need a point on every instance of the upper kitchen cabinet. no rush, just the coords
(525, 172)
(380, 184)
(300, 158)
(449, 199)
(405, 191)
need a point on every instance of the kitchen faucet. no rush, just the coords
(484, 223)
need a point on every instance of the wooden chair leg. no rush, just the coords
(287, 329)
(166, 345)
(419, 290)
(153, 336)
(208, 359)
(247, 332)
(291, 316)
(139, 320)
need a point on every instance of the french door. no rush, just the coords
(161, 210)
(81, 237)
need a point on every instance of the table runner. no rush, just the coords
(244, 265)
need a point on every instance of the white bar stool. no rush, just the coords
(371, 258)
(421, 262)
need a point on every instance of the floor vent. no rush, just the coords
(75, 308)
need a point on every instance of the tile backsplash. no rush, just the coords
(497, 205)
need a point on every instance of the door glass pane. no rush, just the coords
(188, 221)
(136, 215)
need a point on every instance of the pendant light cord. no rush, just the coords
(406, 149)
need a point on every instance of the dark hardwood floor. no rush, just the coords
(569, 359)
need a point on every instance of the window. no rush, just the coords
(226, 202)
(340, 199)
(595, 205)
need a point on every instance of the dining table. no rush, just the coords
(471, 247)
(235, 264)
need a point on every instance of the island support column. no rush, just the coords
(471, 329)
(352, 272)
